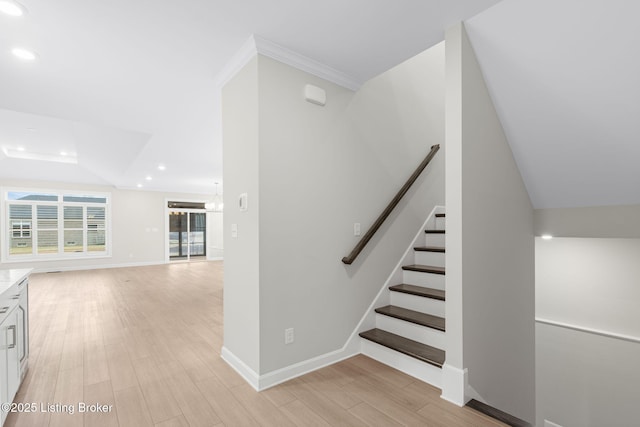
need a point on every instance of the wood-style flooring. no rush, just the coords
(146, 342)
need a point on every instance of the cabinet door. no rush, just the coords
(9, 349)
(4, 380)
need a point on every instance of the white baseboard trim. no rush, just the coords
(241, 368)
(216, 258)
(455, 382)
(270, 379)
(95, 267)
(301, 368)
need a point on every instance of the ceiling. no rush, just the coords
(565, 80)
(123, 86)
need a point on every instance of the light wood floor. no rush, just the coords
(147, 340)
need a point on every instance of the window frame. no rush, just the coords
(7, 232)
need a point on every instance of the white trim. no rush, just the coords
(256, 44)
(615, 335)
(409, 365)
(304, 63)
(241, 368)
(239, 59)
(95, 267)
(301, 368)
(455, 382)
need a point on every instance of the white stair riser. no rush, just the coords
(429, 258)
(417, 303)
(435, 239)
(440, 223)
(407, 364)
(423, 334)
(430, 280)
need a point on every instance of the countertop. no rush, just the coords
(8, 278)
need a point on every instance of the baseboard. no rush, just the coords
(497, 414)
(241, 368)
(96, 267)
(301, 368)
(271, 379)
(454, 385)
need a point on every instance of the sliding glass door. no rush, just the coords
(187, 235)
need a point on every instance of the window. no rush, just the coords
(55, 225)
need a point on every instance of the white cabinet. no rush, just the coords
(9, 357)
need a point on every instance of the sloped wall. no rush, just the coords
(490, 245)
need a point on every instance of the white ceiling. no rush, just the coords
(565, 79)
(126, 85)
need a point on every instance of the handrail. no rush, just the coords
(394, 202)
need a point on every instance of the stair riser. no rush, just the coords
(430, 280)
(423, 334)
(429, 258)
(407, 364)
(435, 240)
(413, 302)
(440, 223)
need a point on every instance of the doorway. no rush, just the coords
(187, 231)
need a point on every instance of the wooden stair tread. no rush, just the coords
(419, 291)
(429, 249)
(412, 316)
(440, 215)
(434, 231)
(423, 352)
(424, 268)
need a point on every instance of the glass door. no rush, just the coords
(187, 235)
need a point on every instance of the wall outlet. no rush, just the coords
(288, 336)
(356, 229)
(548, 423)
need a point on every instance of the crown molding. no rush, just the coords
(256, 44)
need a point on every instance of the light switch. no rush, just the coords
(234, 230)
(356, 229)
(243, 202)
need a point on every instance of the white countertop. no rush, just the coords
(8, 278)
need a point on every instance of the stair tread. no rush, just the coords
(419, 291)
(434, 231)
(424, 268)
(429, 249)
(412, 316)
(440, 215)
(423, 352)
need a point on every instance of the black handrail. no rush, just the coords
(385, 213)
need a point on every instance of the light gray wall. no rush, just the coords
(241, 175)
(585, 379)
(320, 170)
(323, 169)
(495, 246)
(592, 221)
(137, 226)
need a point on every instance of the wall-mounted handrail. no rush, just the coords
(394, 202)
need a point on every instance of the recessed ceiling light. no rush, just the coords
(63, 153)
(547, 236)
(161, 167)
(139, 185)
(148, 178)
(32, 129)
(12, 8)
(20, 148)
(24, 54)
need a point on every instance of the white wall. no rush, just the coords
(215, 238)
(490, 245)
(137, 226)
(241, 175)
(586, 379)
(321, 169)
(590, 221)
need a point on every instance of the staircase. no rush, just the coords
(409, 332)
